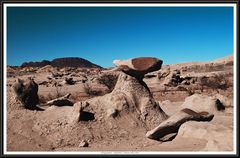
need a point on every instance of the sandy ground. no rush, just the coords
(23, 136)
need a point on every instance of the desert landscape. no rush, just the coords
(141, 104)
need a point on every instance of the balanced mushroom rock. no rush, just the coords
(130, 96)
(27, 92)
(138, 67)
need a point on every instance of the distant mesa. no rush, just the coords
(63, 62)
(36, 64)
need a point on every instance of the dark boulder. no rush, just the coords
(27, 92)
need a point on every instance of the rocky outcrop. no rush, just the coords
(178, 81)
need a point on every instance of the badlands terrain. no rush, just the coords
(139, 105)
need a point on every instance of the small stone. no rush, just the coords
(85, 104)
(112, 112)
(69, 81)
(83, 143)
(185, 82)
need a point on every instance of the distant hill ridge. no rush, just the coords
(63, 62)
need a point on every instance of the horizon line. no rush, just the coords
(184, 62)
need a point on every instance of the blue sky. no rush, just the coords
(102, 34)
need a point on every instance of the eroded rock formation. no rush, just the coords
(172, 124)
(27, 92)
(130, 95)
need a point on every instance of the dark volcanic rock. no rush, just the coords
(73, 62)
(63, 62)
(36, 64)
